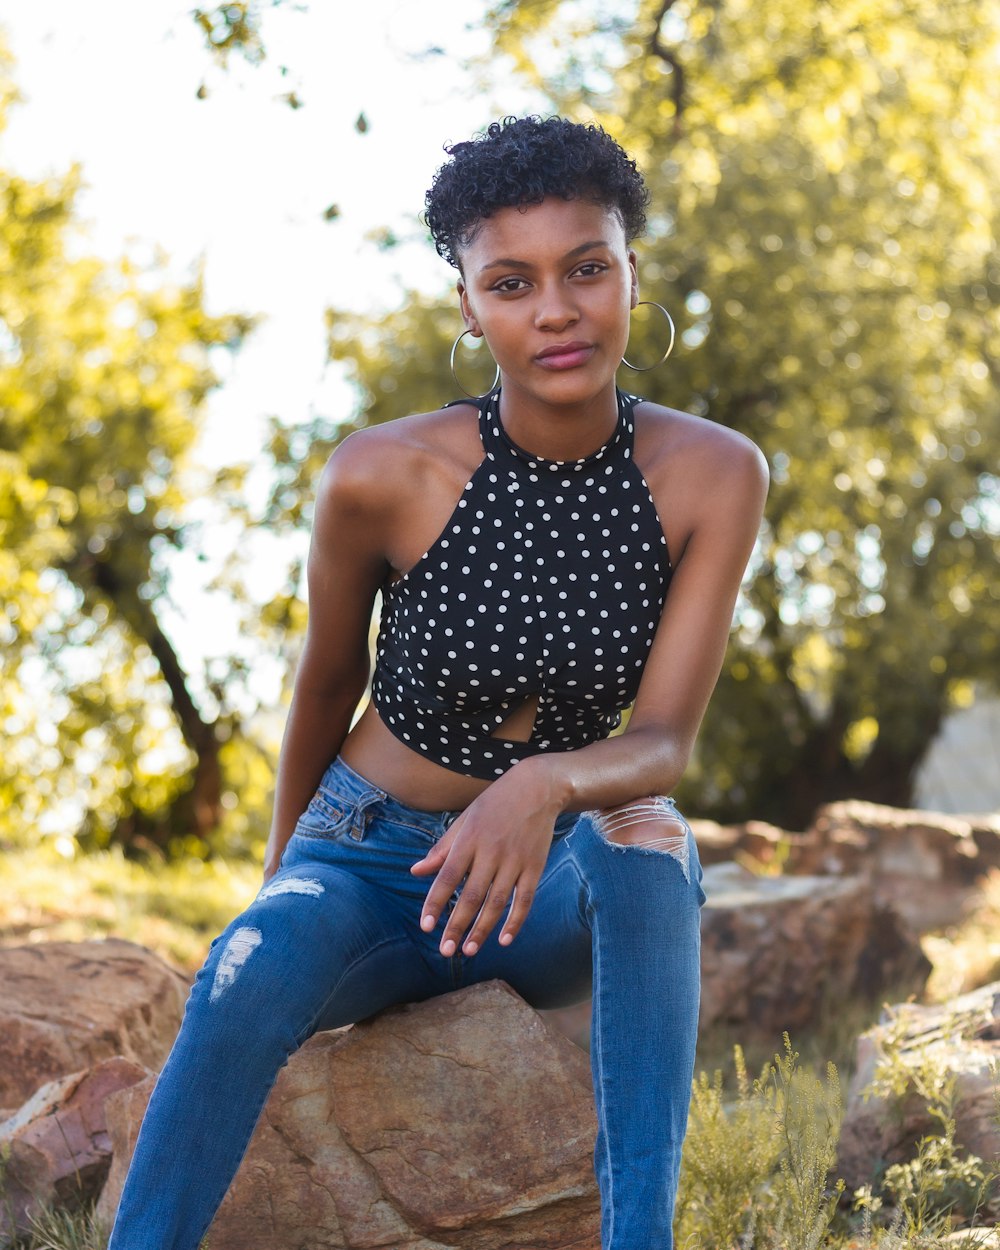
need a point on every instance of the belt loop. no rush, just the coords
(362, 816)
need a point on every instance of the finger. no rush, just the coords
(470, 901)
(450, 876)
(524, 896)
(497, 902)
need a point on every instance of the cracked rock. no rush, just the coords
(56, 1148)
(462, 1123)
(68, 1005)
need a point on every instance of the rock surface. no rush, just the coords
(775, 950)
(923, 864)
(56, 1147)
(67, 1005)
(960, 1038)
(464, 1122)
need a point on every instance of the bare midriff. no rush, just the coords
(371, 750)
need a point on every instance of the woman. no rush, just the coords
(524, 544)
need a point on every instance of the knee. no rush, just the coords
(652, 825)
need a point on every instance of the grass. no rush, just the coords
(174, 909)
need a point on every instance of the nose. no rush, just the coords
(556, 309)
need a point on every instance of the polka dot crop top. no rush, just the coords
(547, 582)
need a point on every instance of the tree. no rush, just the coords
(104, 370)
(824, 183)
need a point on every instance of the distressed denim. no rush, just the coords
(334, 936)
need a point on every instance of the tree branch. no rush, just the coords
(660, 50)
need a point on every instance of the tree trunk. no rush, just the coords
(198, 809)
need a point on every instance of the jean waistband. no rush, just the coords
(340, 779)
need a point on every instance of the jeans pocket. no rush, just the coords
(327, 815)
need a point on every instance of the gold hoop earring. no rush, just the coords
(451, 365)
(670, 345)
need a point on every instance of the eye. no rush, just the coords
(509, 286)
(590, 269)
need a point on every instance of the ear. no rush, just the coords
(468, 316)
(634, 273)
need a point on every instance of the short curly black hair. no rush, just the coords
(520, 161)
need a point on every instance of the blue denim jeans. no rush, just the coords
(334, 936)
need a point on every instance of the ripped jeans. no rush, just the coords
(335, 936)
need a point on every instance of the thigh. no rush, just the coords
(317, 948)
(549, 963)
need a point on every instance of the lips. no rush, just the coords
(565, 355)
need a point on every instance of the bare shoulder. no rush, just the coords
(666, 438)
(377, 466)
(702, 475)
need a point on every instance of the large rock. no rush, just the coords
(65, 1006)
(776, 950)
(464, 1122)
(922, 864)
(960, 1039)
(56, 1148)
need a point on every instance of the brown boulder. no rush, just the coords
(462, 1123)
(56, 1148)
(67, 1005)
(776, 949)
(959, 1039)
(923, 864)
(754, 843)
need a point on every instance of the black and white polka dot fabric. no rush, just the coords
(547, 581)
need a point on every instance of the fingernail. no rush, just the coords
(470, 948)
(427, 923)
(448, 948)
(506, 939)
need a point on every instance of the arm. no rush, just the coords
(345, 568)
(499, 844)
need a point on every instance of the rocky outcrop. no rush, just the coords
(958, 1040)
(776, 949)
(67, 1005)
(464, 1122)
(56, 1148)
(923, 864)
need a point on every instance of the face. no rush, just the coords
(551, 287)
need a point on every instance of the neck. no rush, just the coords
(556, 431)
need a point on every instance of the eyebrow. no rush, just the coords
(511, 262)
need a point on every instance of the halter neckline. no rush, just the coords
(499, 445)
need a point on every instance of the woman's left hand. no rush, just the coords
(498, 847)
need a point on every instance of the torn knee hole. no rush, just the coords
(650, 824)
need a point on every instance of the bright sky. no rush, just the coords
(239, 177)
(242, 180)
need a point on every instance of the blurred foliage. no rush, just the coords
(104, 370)
(233, 27)
(825, 185)
(53, 893)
